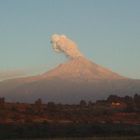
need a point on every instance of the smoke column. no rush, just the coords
(60, 43)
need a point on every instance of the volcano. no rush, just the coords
(70, 82)
(81, 69)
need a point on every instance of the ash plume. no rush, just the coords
(61, 43)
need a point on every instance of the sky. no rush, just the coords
(107, 32)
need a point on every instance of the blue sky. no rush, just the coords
(106, 31)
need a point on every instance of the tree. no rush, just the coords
(137, 101)
(38, 105)
(113, 98)
(130, 103)
(83, 103)
(2, 102)
(51, 106)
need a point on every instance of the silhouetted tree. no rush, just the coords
(83, 103)
(2, 102)
(137, 101)
(38, 105)
(51, 107)
(113, 98)
(130, 103)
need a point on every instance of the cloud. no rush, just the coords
(22, 72)
(60, 43)
(9, 74)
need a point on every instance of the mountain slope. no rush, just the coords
(81, 68)
(70, 82)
